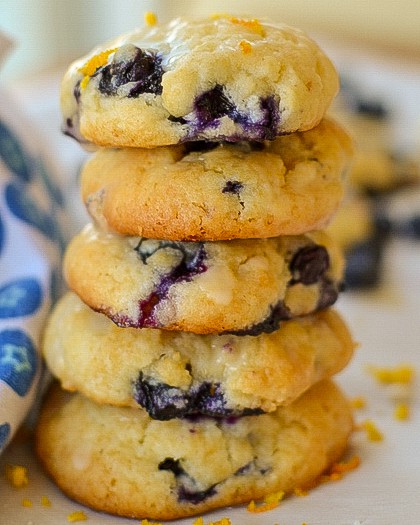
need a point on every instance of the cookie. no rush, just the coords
(361, 231)
(205, 191)
(219, 78)
(244, 286)
(174, 374)
(120, 461)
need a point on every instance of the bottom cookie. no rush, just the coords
(121, 461)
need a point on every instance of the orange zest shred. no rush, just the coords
(150, 18)
(358, 402)
(223, 521)
(17, 475)
(387, 375)
(300, 492)
(78, 515)
(45, 501)
(245, 46)
(343, 467)
(372, 431)
(93, 64)
(147, 522)
(26, 503)
(270, 502)
(253, 24)
(402, 412)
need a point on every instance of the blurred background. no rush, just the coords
(50, 32)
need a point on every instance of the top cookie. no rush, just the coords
(219, 78)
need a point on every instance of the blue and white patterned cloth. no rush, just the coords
(31, 245)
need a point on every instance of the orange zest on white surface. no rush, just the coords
(17, 475)
(388, 375)
(76, 516)
(45, 501)
(372, 431)
(271, 501)
(402, 412)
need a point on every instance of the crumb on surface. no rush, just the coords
(78, 515)
(17, 475)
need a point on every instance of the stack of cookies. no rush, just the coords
(198, 332)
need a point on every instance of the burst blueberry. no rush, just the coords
(132, 65)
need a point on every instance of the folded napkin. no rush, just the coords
(32, 240)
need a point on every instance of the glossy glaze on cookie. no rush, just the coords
(220, 78)
(244, 286)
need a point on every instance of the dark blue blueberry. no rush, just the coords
(196, 496)
(13, 154)
(192, 262)
(232, 186)
(309, 264)
(364, 259)
(186, 483)
(279, 312)
(212, 105)
(77, 93)
(372, 108)
(363, 264)
(199, 146)
(328, 293)
(173, 465)
(132, 65)
(164, 402)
